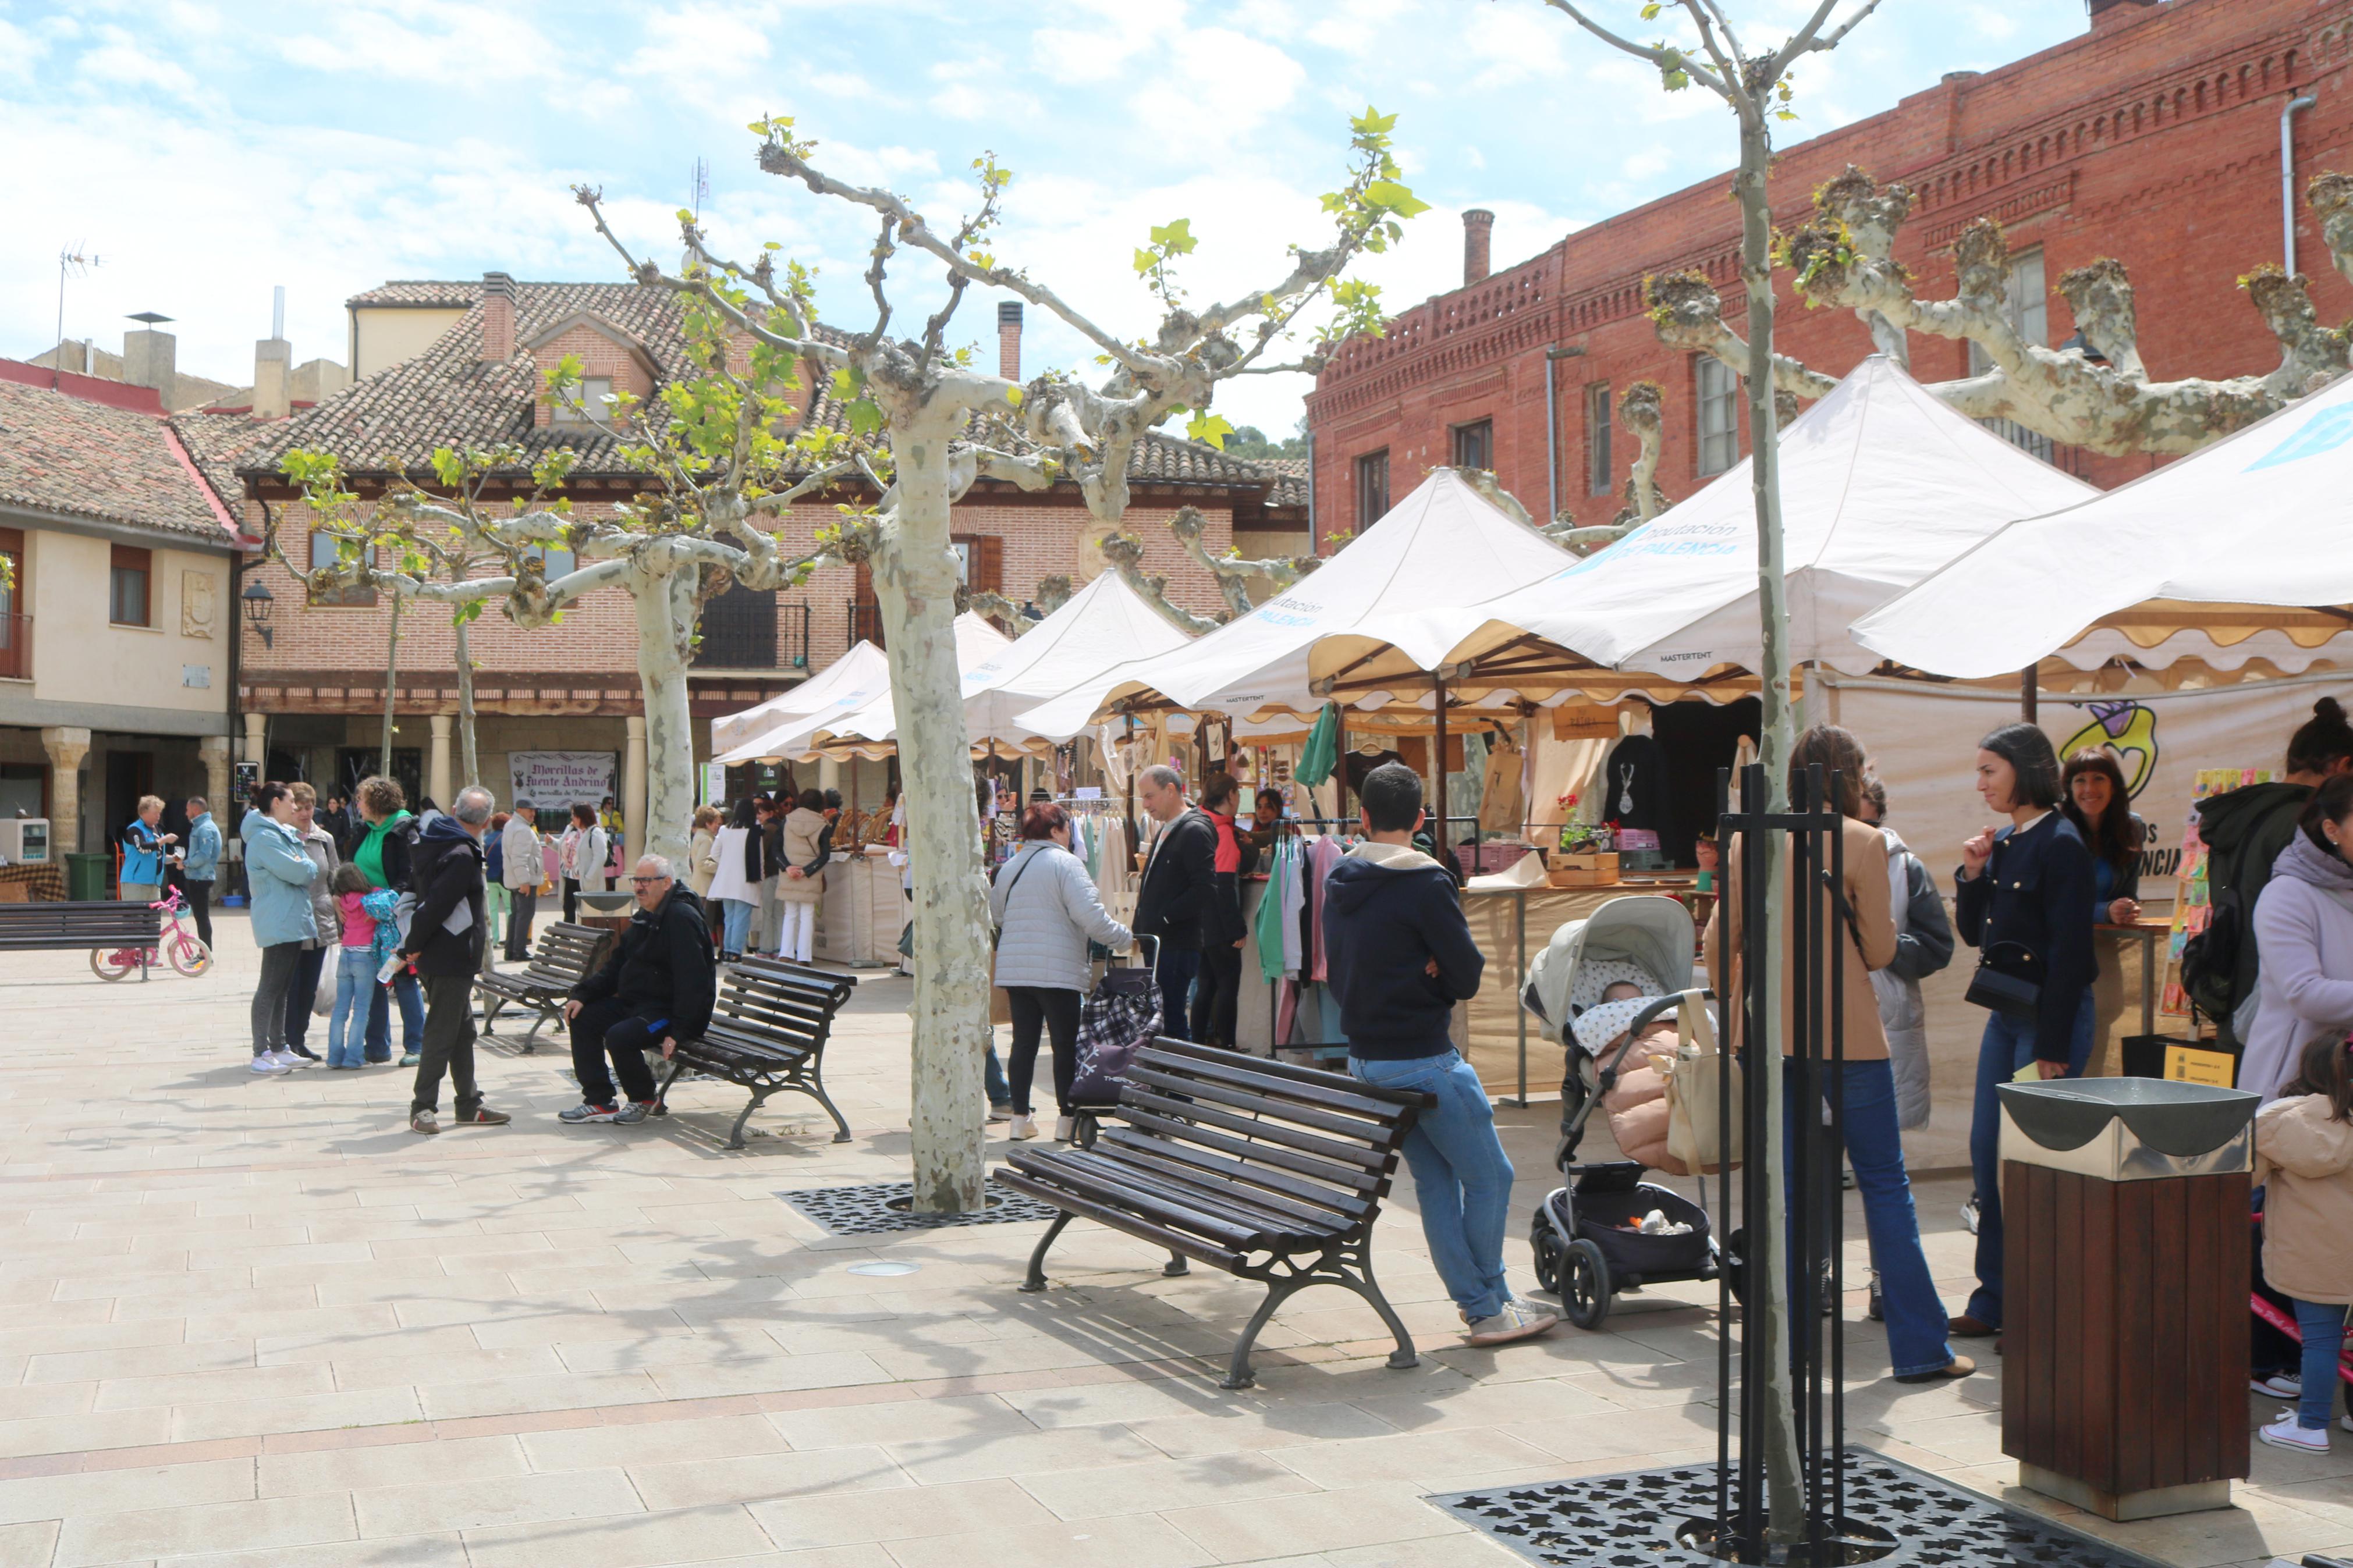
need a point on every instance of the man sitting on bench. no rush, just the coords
(658, 985)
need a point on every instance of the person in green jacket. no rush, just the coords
(384, 855)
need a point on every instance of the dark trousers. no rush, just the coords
(1216, 999)
(412, 1017)
(571, 897)
(1175, 969)
(448, 1045)
(525, 903)
(278, 961)
(200, 907)
(607, 1026)
(1055, 1010)
(303, 995)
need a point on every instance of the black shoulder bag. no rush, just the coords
(2014, 995)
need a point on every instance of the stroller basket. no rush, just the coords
(1632, 1253)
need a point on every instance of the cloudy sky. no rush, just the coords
(207, 151)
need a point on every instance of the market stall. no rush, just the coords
(848, 683)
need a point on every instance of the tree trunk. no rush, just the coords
(915, 580)
(1783, 1474)
(665, 611)
(469, 761)
(391, 686)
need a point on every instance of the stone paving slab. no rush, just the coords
(250, 1321)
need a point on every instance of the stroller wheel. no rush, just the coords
(1585, 1292)
(1545, 1242)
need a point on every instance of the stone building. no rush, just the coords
(460, 363)
(2154, 137)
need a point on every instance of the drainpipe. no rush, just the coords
(1552, 434)
(1314, 547)
(2288, 176)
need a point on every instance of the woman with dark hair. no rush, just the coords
(278, 872)
(1046, 909)
(1217, 995)
(2303, 937)
(800, 888)
(2092, 794)
(740, 850)
(2022, 897)
(1917, 1346)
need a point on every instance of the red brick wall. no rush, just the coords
(2080, 149)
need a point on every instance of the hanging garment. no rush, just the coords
(1634, 784)
(1502, 799)
(1322, 752)
(1268, 931)
(1294, 903)
(1322, 855)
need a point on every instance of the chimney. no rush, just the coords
(150, 357)
(498, 316)
(1478, 229)
(2107, 13)
(1008, 338)
(273, 359)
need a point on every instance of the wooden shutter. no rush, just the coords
(129, 558)
(987, 564)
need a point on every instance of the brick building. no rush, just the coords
(2155, 138)
(458, 363)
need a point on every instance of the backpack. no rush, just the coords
(2210, 961)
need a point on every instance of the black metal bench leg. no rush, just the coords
(759, 1098)
(1238, 1371)
(814, 1089)
(1370, 1289)
(661, 1095)
(492, 1003)
(1037, 1277)
(531, 1041)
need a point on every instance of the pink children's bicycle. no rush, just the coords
(177, 944)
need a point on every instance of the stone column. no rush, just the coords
(635, 827)
(256, 740)
(67, 747)
(213, 750)
(828, 773)
(436, 760)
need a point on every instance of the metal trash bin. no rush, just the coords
(2125, 1208)
(87, 881)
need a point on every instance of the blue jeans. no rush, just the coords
(736, 923)
(1176, 968)
(412, 1019)
(1460, 1176)
(1000, 1093)
(1916, 1317)
(2322, 1324)
(2008, 1046)
(355, 977)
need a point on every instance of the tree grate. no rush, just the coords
(884, 1207)
(1632, 1521)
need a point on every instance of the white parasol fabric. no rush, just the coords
(854, 678)
(975, 641)
(1441, 545)
(2238, 554)
(1882, 483)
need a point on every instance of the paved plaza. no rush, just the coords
(254, 1321)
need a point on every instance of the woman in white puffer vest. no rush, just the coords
(1924, 945)
(1046, 909)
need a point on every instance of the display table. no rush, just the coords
(863, 911)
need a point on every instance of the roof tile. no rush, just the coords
(72, 458)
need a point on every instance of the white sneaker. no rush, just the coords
(1065, 1129)
(289, 1060)
(2288, 1433)
(1023, 1128)
(2278, 1384)
(268, 1064)
(1517, 1320)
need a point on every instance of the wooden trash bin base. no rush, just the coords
(2124, 1389)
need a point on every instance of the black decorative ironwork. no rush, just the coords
(1896, 1517)
(886, 1207)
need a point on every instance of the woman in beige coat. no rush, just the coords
(802, 884)
(1917, 1346)
(2304, 1162)
(701, 864)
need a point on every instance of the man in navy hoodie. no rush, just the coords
(1401, 957)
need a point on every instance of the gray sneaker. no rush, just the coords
(587, 1111)
(636, 1111)
(424, 1121)
(1517, 1320)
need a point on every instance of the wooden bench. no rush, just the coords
(1269, 1172)
(85, 927)
(567, 953)
(768, 1033)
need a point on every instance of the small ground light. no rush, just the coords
(882, 1266)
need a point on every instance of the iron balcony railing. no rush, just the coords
(745, 628)
(16, 647)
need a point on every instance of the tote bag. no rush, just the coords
(1696, 1085)
(1119, 1018)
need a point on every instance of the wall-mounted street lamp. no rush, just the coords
(258, 601)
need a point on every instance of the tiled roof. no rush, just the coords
(447, 395)
(69, 457)
(219, 444)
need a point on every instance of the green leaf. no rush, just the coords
(1013, 395)
(1396, 197)
(1373, 122)
(1145, 262)
(865, 417)
(1175, 239)
(1650, 11)
(1209, 428)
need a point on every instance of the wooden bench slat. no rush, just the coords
(1256, 1153)
(1307, 1200)
(768, 1033)
(1219, 1056)
(1121, 1220)
(1241, 1072)
(1141, 1199)
(1198, 1090)
(1276, 1225)
(1332, 1150)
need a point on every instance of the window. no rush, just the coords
(1474, 445)
(16, 628)
(585, 404)
(2029, 309)
(126, 601)
(1600, 476)
(980, 562)
(1372, 489)
(324, 549)
(556, 562)
(1719, 414)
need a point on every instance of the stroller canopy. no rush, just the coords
(1648, 931)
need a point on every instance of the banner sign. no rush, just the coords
(551, 781)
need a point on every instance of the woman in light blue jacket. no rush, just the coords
(277, 871)
(202, 866)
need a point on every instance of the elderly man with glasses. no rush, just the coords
(657, 988)
(445, 941)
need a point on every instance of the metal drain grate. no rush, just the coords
(869, 1211)
(1631, 1521)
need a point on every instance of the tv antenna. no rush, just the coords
(698, 185)
(75, 260)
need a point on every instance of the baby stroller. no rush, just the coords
(1584, 1251)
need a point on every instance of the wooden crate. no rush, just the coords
(1583, 870)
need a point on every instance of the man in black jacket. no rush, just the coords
(445, 942)
(658, 987)
(1173, 901)
(1400, 955)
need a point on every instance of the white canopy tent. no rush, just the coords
(976, 642)
(853, 678)
(1072, 650)
(1882, 483)
(2235, 560)
(1441, 545)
